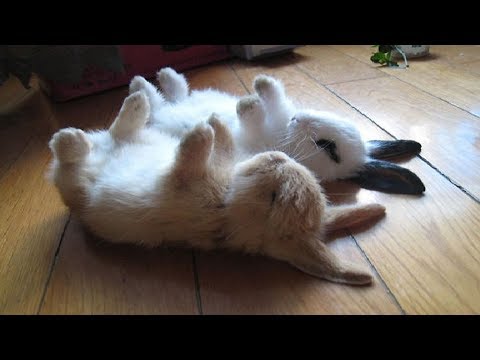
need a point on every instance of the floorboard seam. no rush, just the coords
(54, 262)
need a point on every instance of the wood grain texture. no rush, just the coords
(14, 137)
(455, 54)
(449, 136)
(451, 84)
(90, 112)
(360, 53)
(426, 246)
(92, 277)
(30, 118)
(329, 66)
(217, 76)
(32, 218)
(473, 66)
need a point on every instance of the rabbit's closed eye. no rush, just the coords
(330, 148)
(274, 195)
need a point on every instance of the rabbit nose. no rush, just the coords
(276, 157)
(299, 122)
(294, 120)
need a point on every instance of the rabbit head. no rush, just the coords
(334, 149)
(276, 207)
(275, 198)
(326, 144)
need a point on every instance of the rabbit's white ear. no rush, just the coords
(391, 149)
(384, 176)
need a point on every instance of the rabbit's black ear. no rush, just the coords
(391, 149)
(387, 177)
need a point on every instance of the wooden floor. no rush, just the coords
(425, 253)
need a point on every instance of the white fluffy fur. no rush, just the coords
(259, 122)
(133, 185)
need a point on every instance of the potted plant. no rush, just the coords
(387, 54)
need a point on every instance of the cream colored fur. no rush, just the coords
(133, 185)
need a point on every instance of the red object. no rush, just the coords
(144, 60)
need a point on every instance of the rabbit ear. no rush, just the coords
(387, 177)
(390, 149)
(319, 261)
(346, 216)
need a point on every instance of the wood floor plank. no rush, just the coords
(92, 277)
(14, 137)
(90, 112)
(455, 54)
(426, 249)
(448, 135)
(32, 218)
(329, 66)
(360, 53)
(20, 124)
(452, 84)
(217, 76)
(473, 66)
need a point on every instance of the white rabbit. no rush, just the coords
(327, 144)
(132, 184)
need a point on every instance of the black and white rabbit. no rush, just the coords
(330, 146)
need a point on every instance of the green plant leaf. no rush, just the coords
(384, 55)
(379, 58)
